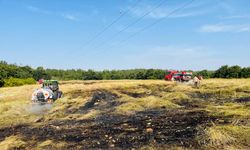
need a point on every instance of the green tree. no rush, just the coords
(40, 73)
(106, 75)
(245, 72)
(221, 72)
(91, 75)
(205, 74)
(233, 72)
(140, 74)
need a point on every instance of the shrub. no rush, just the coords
(1, 82)
(18, 82)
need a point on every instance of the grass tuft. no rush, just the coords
(12, 142)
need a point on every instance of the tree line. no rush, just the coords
(226, 72)
(11, 74)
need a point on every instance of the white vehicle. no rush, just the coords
(42, 95)
(48, 93)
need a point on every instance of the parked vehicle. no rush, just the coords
(182, 76)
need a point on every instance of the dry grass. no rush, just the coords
(11, 143)
(228, 137)
(230, 110)
(49, 144)
(217, 96)
(132, 105)
(14, 103)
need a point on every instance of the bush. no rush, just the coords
(18, 82)
(204, 73)
(1, 82)
(40, 73)
(245, 72)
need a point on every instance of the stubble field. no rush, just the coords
(127, 114)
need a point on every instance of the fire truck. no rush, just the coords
(181, 76)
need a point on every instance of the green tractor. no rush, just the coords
(48, 93)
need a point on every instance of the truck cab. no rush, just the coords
(181, 76)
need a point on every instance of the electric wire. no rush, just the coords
(110, 25)
(131, 24)
(154, 23)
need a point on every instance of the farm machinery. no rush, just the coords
(48, 93)
(181, 76)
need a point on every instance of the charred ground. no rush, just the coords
(140, 115)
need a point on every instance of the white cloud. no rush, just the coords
(197, 8)
(46, 12)
(191, 10)
(224, 28)
(160, 12)
(70, 17)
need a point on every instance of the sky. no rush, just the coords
(125, 34)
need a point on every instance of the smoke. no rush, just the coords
(39, 108)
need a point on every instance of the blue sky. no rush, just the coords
(57, 33)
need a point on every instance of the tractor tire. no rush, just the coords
(55, 95)
(60, 94)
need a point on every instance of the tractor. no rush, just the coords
(48, 93)
(181, 76)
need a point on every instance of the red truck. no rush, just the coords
(182, 76)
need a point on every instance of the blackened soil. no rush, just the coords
(135, 95)
(157, 127)
(102, 101)
(243, 100)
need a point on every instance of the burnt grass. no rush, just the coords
(243, 100)
(159, 127)
(102, 101)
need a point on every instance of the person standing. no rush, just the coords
(196, 81)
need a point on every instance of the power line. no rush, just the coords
(97, 35)
(109, 25)
(131, 24)
(157, 21)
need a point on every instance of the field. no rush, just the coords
(139, 114)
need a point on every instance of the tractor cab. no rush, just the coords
(51, 84)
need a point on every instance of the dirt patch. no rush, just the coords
(154, 127)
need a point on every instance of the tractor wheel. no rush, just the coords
(55, 95)
(60, 94)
